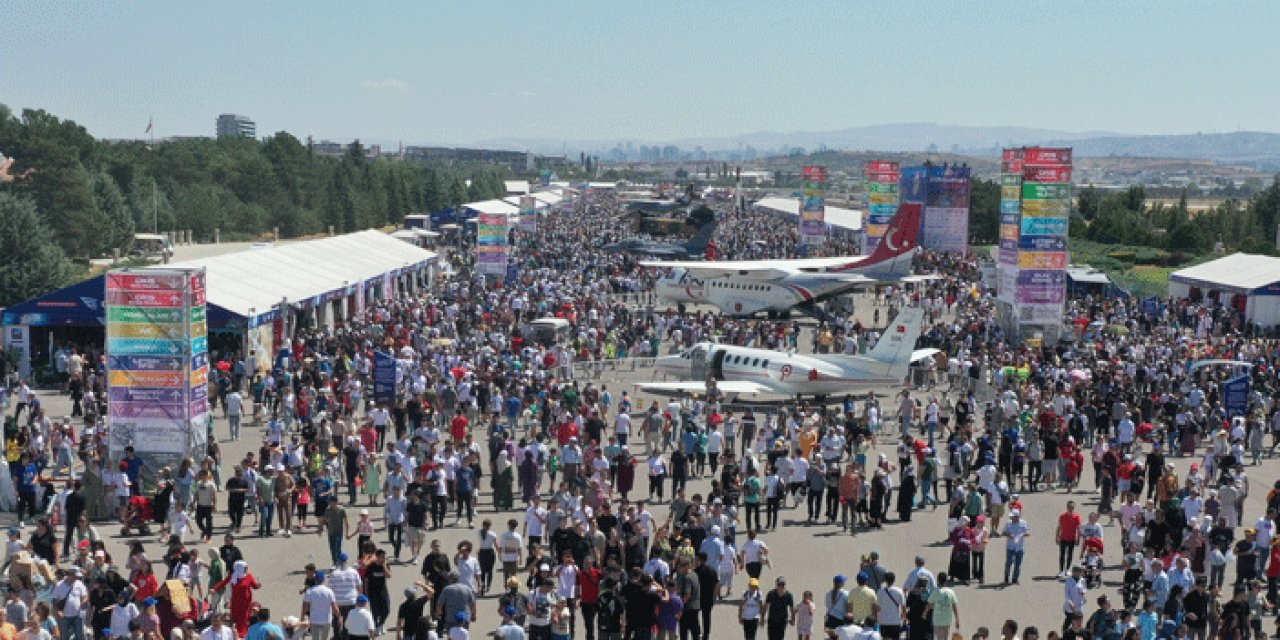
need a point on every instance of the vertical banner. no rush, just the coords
(544, 177)
(528, 214)
(1235, 395)
(813, 226)
(157, 364)
(491, 244)
(1042, 235)
(384, 378)
(1010, 224)
(882, 201)
(946, 209)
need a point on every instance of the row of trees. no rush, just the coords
(96, 194)
(1124, 217)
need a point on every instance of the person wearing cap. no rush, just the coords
(266, 500)
(359, 623)
(751, 609)
(320, 608)
(347, 585)
(779, 610)
(541, 607)
(70, 599)
(409, 614)
(511, 628)
(836, 602)
(1015, 532)
(862, 599)
(516, 601)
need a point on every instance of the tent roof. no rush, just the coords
(259, 280)
(1238, 272)
(548, 197)
(492, 206)
(1088, 275)
(515, 200)
(516, 187)
(850, 219)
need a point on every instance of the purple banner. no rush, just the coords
(143, 394)
(147, 410)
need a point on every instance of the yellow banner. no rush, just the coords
(144, 330)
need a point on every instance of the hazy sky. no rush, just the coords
(458, 72)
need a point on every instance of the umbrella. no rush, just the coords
(223, 365)
(1116, 330)
(1079, 374)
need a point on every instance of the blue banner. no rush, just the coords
(1235, 395)
(384, 378)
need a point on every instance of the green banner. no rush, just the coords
(1046, 191)
(883, 187)
(146, 315)
(1010, 180)
(197, 313)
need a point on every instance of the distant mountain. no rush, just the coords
(1258, 149)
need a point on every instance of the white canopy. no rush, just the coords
(516, 187)
(253, 283)
(850, 219)
(515, 200)
(1238, 273)
(493, 206)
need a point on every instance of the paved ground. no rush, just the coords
(808, 555)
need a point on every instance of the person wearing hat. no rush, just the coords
(751, 609)
(359, 623)
(510, 629)
(1015, 532)
(410, 612)
(242, 585)
(70, 599)
(836, 602)
(863, 603)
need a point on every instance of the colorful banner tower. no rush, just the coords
(157, 364)
(1034, 242)
(813, 224)
(491, 244)
(882, 201)
(528, 214)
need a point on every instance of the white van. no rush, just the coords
(151, 244)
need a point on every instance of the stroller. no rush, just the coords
(139, 516)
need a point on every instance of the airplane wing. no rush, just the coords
(725, 386)
(922, 354)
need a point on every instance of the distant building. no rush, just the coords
(331, 148)
(231, 125)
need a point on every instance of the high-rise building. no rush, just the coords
(231, 125)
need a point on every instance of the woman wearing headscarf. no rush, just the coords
(907, 495)
(961, 539)
(503, 477)
(242, 585)
(528, 477)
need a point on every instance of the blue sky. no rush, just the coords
(458, 72)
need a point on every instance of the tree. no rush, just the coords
(1088, 200)
(984, 211)
(118, 232)
(31, 262)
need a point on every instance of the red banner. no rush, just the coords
(1011, 166)
(1012, 154)
(145, 298)
(144, 282)
(815, 174)
(1047, 174)
(1045, 156)
(882, 166)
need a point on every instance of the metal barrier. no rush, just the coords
(596, 368)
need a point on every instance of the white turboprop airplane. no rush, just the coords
(743, 370)
(748, 287)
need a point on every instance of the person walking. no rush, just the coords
(943, 609)
(1015, 532)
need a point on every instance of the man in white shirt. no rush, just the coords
(535, 521)
(320, 607)
(754, 554)
(218, 629)
(622, 427)
(892, 602)
(510, 545)
(346, 584)
(76, 600)
(233, 407)
(1074, 591)
(1015, 533)
(359, 621)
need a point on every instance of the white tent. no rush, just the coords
(253, 283)
(847, 219)
(1240, 280)
(516, 187)
(492, 206)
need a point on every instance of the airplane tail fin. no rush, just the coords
(898, 341)
(698, 243)
(894, 253)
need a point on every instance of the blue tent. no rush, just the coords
(79, 305)
(84, 305)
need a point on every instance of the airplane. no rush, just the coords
(748, 287)
(761, 371)
(695, 247)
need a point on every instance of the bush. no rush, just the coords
(1121, 256)
(1154, 257)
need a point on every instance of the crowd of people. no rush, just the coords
(491, 432)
